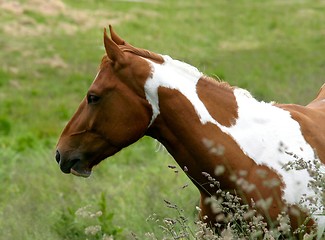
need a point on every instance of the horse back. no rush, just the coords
(311, 119)
(319, 102)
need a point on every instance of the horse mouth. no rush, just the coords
(81, 172)
(77, 168)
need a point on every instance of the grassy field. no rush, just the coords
(49, 53)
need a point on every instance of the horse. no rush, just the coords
(205, 124)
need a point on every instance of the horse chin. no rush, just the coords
(81, 172)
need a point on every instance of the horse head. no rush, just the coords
(114, 112)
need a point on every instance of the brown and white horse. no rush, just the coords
(137, 92)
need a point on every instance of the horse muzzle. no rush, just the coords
(74, 166)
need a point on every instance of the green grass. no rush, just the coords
(275, 49)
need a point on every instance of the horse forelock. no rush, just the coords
(105, 60)
(157, 58)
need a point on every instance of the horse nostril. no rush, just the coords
(57, 156)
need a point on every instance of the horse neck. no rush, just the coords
(188, 82)
(187, 109)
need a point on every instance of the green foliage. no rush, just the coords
(106, 219)
(67, 227)
(38, 17)
(25, 142)
(4, 77)
(87, 222)
(5, 126)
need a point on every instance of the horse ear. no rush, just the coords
(113, 52)
(116, 38)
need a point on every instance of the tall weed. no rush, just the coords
(88, 222)
(237, 220)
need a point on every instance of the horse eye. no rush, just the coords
(91, 99)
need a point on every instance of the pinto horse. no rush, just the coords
(137, 92)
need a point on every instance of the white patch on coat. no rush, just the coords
(261, 129)
(176, 75)
(269, 136)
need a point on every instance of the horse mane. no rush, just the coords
(142, 53)
(137, 51)
(218, 81)
(125, 47)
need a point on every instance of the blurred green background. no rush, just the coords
(50, 52)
